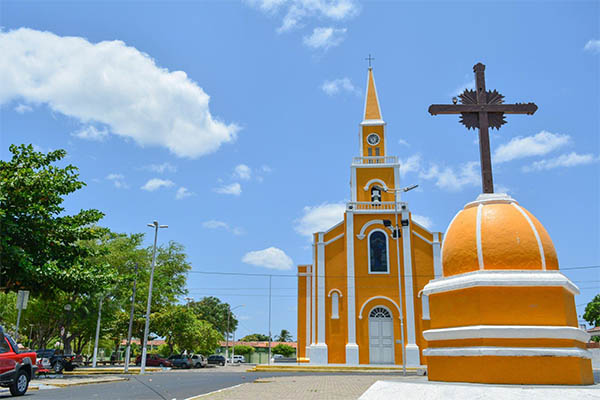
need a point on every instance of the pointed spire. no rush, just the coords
(372, 110)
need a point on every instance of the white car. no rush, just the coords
(238, 359)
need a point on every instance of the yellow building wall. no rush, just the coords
(336, 330)
(423, 272)
(364, 175)
(302, 290)
(371, 285)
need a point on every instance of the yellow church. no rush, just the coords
(358, 303)
(484, 303)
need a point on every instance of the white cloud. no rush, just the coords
(449, 179)
(272, 258)
(182, 193)
(118, 180)
(467, 85)
(90, 132)
(161, 168)
(565, 160)
(338, 85)
(233, 189)
(539, 144)
(411, 164)
(23, 108)
(324, 38)
(319, 218)
(499, 188)
(112, 84)
(214, 224)
(422, 220)
(297, 10)
(266, 169)
(403, 142)
(242, 171)
(593, 46)
(156, 183)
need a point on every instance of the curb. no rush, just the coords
(89, 382)
(101, 371)
(330, 369)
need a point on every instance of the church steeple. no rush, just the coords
(372, 138)
(372, 110)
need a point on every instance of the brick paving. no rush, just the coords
(321, 387)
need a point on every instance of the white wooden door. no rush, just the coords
(381, 336)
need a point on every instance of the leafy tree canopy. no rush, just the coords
(592, 311)
(243, 350)
(255, 337)
(284, 349)
(40, 246)
(210, 309)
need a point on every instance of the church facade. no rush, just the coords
(359, 301)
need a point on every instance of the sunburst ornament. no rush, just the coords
(471, 120)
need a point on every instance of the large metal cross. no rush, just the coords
(482, 109)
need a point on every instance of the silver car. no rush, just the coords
(199, 361)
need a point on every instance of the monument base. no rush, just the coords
(529, 370)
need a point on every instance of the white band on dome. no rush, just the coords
(507, 332)
(507, 352)
(500, 278)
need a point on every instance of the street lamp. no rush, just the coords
(227, 346)
(154, 225)
(396, 235)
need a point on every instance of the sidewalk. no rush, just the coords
(54, 383)
(317, 387)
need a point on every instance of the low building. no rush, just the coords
(260, 355)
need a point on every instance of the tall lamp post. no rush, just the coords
(228, 317)
(154, 225)
(397, 237)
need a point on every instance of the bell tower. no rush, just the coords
(372, 135)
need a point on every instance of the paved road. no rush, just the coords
(169, 385)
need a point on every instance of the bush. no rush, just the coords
(284, 349)
(243, 350)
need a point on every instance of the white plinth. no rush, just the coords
(318, 353)
(412, 355)
(352, 354)
(385, 390)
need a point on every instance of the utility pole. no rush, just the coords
(270, 276)
(146, 327)
(128, 351)
(228, 317)
(94, 360)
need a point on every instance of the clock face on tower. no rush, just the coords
(373, 139)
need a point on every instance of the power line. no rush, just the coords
(345, 276)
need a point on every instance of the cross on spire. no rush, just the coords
(369, 59)
(481, 109)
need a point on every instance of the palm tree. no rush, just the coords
(284, 336)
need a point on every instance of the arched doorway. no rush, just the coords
(381, 336)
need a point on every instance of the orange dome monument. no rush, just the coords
(501, 312)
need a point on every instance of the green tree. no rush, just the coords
(284, 336)
(255, 337)
(210, 309)
(592, 311)
(284, 349)
(243, 350)
(40, 246)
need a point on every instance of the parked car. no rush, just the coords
(16, 367)
(153, 360)
(199, 361)
(181, 361)
(216, 359)
(238, 359)
(53, 359)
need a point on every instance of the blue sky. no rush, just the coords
(235, 122)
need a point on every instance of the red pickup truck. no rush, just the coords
(16, 368)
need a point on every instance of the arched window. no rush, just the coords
(335, 305)
(378, 252)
